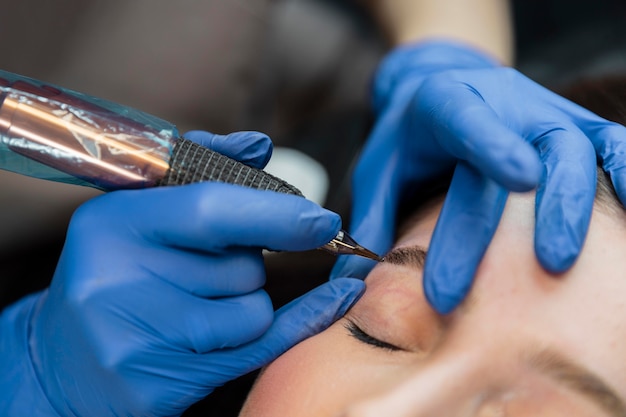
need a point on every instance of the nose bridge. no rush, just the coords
(452, 384)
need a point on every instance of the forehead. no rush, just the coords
(581, 312)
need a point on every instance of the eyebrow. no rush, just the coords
(414, 256)
(576, 377)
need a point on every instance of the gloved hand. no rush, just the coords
(439, 103)
(157, 297)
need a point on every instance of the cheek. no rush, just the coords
(319, 377)
(304, 381)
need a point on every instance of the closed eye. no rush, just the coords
(361, 336)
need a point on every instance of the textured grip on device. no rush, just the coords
(191, 163)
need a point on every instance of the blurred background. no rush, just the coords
(298, 70)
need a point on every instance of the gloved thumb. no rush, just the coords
(473, 207)
(376, 190)
(298, 320)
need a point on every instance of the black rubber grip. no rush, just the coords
(191, 163)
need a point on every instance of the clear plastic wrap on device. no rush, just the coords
(57, 134)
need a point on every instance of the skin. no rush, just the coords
(483, 24)
(484, 358)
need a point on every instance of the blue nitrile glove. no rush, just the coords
(439, 103)
(157, 298)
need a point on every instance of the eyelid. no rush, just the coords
(360, 335)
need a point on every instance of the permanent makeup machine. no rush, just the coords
(57, 134)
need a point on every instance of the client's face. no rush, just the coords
(524, 344)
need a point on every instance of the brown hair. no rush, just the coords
(606, 97)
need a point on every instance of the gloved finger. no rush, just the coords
(609, 141)
(298, 320)
(565, 197)
(472, 208)
(467, 127)
(228, 322)
(375, 190)
(203, 325)
(213, 216)
(251, 148)
(239, 271)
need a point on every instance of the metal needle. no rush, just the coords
(344, 244)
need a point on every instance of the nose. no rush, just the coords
(451, 386)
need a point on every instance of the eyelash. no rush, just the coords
(361, 336)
